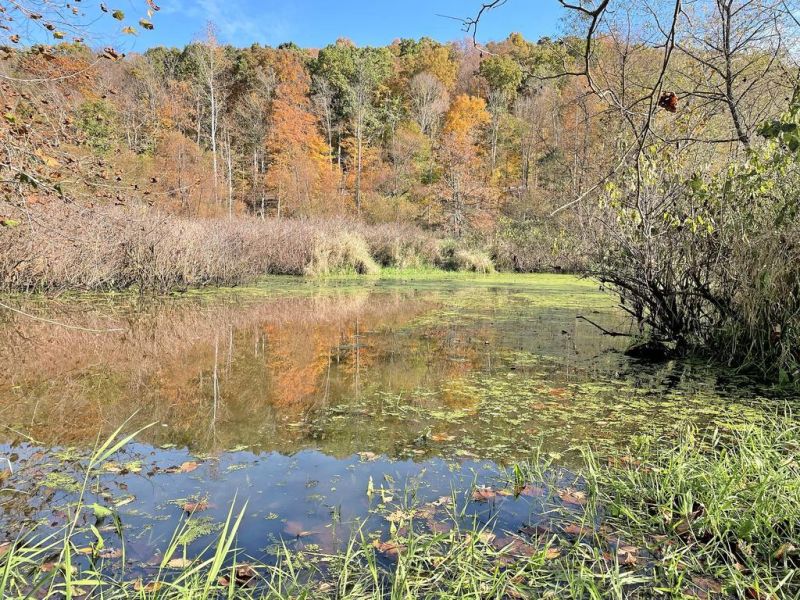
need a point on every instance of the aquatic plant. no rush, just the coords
(707, 515)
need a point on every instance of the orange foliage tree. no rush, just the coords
(300, 175)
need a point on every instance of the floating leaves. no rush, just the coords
(148, 588)
(195, 506)
(390, 548)
(576, 498)
(483, 494)
(179, 563)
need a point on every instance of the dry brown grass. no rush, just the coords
(65, 247)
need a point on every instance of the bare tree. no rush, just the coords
(323, 103)
(211, 69)
(429, 101)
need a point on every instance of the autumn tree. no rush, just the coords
(299, 171)
(465, 198)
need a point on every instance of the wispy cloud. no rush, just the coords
(238, 22)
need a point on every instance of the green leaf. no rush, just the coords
(100, 511)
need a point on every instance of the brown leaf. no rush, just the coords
(147, 588)
(390, 548)
(110, 553)
(483, 494)
(668, 101)
(442, 437)
(705, 586)
(188, 466)
(245, 574)
(576, 498)
(784, 550)
(179, 563)
(296, 529)
(627, 555)
(533, 491)
(552, 553)
(198, 506)
(578, 530)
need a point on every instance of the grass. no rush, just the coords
(705, 516)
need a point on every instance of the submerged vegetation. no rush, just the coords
(705, 515)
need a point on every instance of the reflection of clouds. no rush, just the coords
(239, 22)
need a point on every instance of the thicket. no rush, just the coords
(73, 248)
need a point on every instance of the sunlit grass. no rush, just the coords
(704, 516)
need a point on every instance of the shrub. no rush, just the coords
(342, 252)
(453, 256)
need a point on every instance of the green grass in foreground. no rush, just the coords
(706, 516)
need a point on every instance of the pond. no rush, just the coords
(325, 406)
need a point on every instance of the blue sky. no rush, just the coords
(315, 23)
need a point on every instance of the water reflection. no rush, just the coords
(440, 368)
(296, 396)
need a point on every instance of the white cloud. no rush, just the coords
(239, 22)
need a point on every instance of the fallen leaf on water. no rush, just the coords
(367, 456)
(245, 574)
(576, 498)
(124, 500)
(197, 506)
(483, 494)
(147, 588)
(399, 516)
(296, 529)
(179, 563)
(487, 537)
(390, 548)
(438, 526)
(519, 548)
(533, 491)
(48, 566)
(110, 553)
(188, 466)
(543, 528)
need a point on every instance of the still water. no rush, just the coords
(297, 397)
